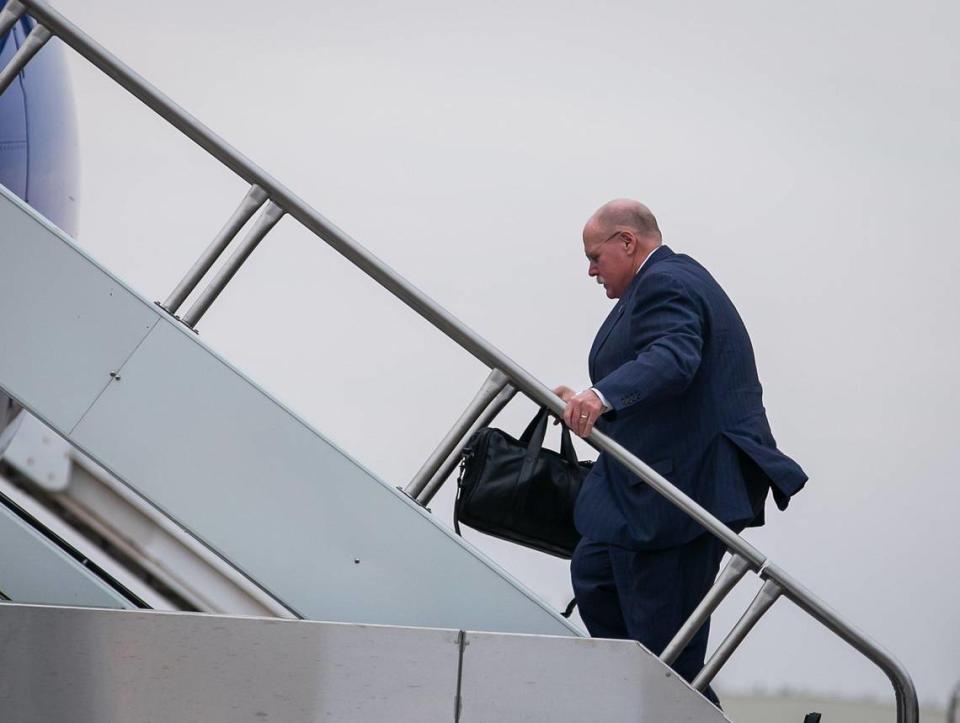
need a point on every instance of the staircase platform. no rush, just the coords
(77, 665)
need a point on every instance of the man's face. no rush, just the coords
(609, 255)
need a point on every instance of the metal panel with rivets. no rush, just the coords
(65, 325)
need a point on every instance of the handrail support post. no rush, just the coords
(35, 40)
(729, 576)
(764, 599)
(266, 221)
(447, 468)
(10, 14)
(251, 202)
(494, 383)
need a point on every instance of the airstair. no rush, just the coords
(303, 530)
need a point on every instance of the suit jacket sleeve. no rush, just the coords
(666, 331)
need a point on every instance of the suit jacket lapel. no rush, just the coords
(605, 328)
(658, 254)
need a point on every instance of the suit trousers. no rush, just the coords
(646, 595)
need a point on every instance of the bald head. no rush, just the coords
(616, 241)
(625, 214)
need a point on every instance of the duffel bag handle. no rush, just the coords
(534, 434)
(566, 446)
(537, 429)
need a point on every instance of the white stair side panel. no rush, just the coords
(224, 459)
(70, 665)
(57, 310)
(272, 495)
(539, 679)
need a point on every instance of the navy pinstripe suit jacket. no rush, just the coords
(675, 362)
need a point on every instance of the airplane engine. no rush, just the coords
(38, 149)
(38, 137)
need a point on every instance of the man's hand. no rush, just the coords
(582, 410)
(564, 393)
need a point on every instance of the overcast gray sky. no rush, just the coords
(807, 154)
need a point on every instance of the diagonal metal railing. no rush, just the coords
(506, 376)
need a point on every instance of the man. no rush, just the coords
(675, 382)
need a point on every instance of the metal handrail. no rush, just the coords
(284, 199)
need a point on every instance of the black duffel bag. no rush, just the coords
(516, 490)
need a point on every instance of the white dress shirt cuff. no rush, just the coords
(603, 399)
